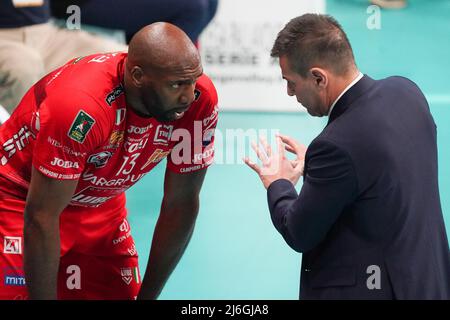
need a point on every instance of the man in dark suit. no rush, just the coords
(368, 219)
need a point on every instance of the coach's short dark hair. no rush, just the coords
(314, 39)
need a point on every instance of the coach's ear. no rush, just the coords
(137, 75)
(320, 77)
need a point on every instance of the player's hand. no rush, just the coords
(276, 166)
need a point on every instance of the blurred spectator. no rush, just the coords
(31, 46)
(192, 16)
(390, 4)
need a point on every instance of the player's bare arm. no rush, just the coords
(46, 199)
(173, 230)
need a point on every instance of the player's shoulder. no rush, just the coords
(90, 82)
(64, 100)
(98, 61)
(205, 90)
(94, 74)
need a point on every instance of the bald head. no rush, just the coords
(162, 69)
(162, 46)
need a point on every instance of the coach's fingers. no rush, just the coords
(252, 165)
(261, 155)
(297, 148)
(280, 147)
(298, 166)
(291, 143)
(266, 146)
(289, 149)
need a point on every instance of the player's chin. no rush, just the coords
(166, 119)
(163, 120)
(174, 116)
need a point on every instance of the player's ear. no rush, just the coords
(137, 75)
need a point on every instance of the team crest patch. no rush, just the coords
(81, 126)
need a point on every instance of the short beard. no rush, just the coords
(152, 108)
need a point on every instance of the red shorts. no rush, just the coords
(98, 254)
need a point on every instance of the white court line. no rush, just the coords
(4, 115)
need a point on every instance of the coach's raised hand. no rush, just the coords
(277, 166)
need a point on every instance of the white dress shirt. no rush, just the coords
(360, 75)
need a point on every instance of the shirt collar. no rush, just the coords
(360, 75)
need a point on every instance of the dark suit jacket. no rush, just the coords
(370, 199)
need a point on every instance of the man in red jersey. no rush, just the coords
(82, 136)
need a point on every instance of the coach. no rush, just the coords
(368, 218)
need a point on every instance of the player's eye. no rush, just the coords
(176, 85)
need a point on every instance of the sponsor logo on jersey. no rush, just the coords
(112, 96)
(156, 157)
(14, 276)
(139, 130)
(12, 245)
(163, 134)
(103, 182)
(16, 143)
(55, 143)
(89, 201)
(64, 164)
(121, 238)
(99, 160)
(129, 274)
(211, 118)
(14, 280)
(81, 126)
(95, 196)
(58, 175)
(124, 226)
(132, 250)
(190, 169)
(116, 138)
(131, 146)
(205, 155)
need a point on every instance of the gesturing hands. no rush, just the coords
(275, 165)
